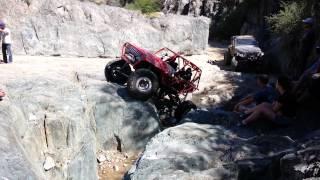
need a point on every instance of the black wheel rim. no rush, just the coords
(144, 84)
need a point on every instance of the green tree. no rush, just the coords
(145, 6)
(288, 19)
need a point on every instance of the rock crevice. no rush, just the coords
(59, 120)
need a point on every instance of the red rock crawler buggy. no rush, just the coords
(164, 75)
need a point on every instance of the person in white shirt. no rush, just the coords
(5, 36)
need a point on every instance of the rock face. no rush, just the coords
(56, 117)
(75, 28)
(189, 151)
(209, 145)
(192, 7)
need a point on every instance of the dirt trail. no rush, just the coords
(218, 83)
(215, 51)
(116, 165)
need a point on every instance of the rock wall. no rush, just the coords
(229, 17)
(56, 117)
(196, 8)
(75, 28)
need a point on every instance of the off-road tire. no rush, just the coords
(114, 76)
(243, 67)
(183, 109)
(227, 58)
(142, 84)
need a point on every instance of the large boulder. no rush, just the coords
(188, 151)
(208, 145)
(75, 28)
(58, 113)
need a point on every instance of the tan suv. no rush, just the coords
(243, 53)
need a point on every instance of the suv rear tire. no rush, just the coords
(117, 72)
(227, 58)
(142, 84)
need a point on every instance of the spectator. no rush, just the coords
(2, 94)
(266, 93)
(5, 36)
(280, 111)
(306, 46)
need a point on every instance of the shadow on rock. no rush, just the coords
(123, 122)
(209, 145)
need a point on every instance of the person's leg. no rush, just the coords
(251, 110)
(4, 53)
(9, 52)
(245, 108)
(262, 111)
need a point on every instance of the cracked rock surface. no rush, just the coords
(65, 110)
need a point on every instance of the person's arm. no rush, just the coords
(276, 106)
(316, 75)
(4, 31)
(246, 101)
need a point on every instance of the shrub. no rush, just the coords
(232, 20)
(230, 25)
(289, 18)
(145, 6)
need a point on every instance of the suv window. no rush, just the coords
(246, 42)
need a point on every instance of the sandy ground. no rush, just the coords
(40, 65)
(115, 165)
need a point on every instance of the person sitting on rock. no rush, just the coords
(2, 94)
(266, 93)
(5, 36)
(280, 111)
